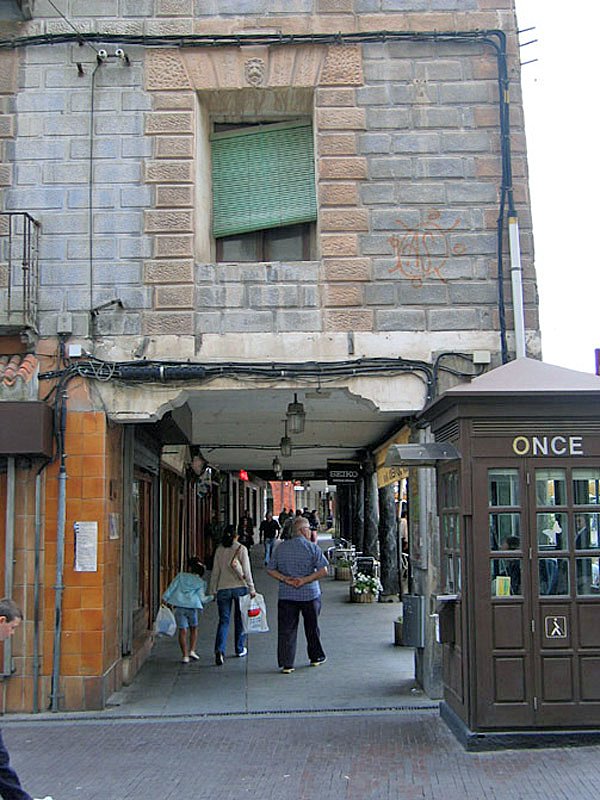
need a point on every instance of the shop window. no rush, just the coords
(553, 576)
(264, 197)
(587, 531)
(506, 576)
(503, 487)
(552, 531)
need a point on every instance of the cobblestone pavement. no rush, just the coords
(343, 756)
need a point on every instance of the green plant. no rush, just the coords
(366, 584)
(343, 562)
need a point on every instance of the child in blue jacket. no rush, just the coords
(187, 594)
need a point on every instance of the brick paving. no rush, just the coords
(354, 729)
(369, 756)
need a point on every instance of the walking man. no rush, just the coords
(10, 785)
(269, 531)
(298, 564)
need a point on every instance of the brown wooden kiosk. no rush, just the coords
(520, 535)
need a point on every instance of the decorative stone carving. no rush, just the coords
(254, 71)
(343, 66)
(165, 70)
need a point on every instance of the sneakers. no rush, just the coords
(317, 662)
(219, 659)
(194, 655)
(287, 670)
(243, 653)
(185, 660)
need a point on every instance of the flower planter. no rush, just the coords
(364, 597)
(343, 573)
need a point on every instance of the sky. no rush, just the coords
(561, 112)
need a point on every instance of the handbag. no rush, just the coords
(236, 565)
(254, 614)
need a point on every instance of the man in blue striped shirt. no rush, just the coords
(298, 564)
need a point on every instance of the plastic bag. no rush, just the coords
(165, 624)
(254, 614)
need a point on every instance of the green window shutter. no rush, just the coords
(263, 177)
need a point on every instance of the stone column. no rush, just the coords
(358, 522)
(388, 543)
(371, 540)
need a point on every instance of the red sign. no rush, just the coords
(243, 475)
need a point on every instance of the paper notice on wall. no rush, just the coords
(86, 546)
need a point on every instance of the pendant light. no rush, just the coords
(277, 468)
(296, 416)
(285, 443)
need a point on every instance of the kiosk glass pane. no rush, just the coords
(587, 531)
(553, 576)
(586, 487)
(503, 487)
(588, 576)
(450, 490)
(552, 531)
(550, 487)
(506, 577)
(504, 530)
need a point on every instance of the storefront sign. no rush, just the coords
(343, 472)
(548, 445)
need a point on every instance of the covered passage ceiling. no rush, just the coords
(241, 429)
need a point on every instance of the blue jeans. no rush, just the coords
(269, 549)
(224, 598)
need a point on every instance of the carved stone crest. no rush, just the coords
(254, 71)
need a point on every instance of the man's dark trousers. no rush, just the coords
(288, 616)
(10, 786)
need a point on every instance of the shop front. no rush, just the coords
(519, 515)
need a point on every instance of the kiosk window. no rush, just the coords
(554, 576)
(586, 487)
(504, 530)
(552, 531)
(587, 531)
(503, 487)
(588, 576)
(550, 487)
(506, 576)
(450, 526)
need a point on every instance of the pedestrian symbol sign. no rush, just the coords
(556, 627)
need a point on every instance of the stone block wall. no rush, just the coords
(112, 158)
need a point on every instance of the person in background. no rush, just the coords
(187, 594)
(283, 515)
(246, 531)
(231, 578)
(269, 532)
(298, 564)
(10, 785)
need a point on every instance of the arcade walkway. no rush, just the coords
(364, 669)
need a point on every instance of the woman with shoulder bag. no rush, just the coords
(231, 579)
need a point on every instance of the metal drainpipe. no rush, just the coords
(516, 279)
(36, 591)
(60, 558)
(9, 553)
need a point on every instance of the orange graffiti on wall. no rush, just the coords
(423, 254)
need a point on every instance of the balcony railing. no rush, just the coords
(19, 246)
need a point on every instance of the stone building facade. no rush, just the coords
(108, 114)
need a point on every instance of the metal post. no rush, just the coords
(9, 552)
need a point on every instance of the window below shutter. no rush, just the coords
(263, 177)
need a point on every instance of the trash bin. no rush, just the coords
(413, 620)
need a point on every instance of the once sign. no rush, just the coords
(548, 445)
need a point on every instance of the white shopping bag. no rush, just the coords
(254, 614)
(165, 624)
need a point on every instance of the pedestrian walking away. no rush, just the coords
(231, 579)
(187, 594)
(269, 532)
(298, 564)
(10, 785)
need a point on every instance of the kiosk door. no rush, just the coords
(536, 549)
